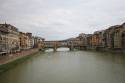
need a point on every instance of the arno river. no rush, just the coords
(68, 67)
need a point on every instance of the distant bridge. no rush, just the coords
(65, 43)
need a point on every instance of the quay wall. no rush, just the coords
(14, 59)
(104, 49)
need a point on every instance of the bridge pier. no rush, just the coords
(42, 49)
(55, 49)
(71, 48)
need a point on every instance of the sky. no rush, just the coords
(62, 19)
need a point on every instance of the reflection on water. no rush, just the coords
(59, 49)
(63, 49)
(69, 67)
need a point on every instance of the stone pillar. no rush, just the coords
(55, 49)
(71, 48)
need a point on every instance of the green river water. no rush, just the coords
(66, 66)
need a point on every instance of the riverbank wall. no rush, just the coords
(104, 49)
(7, 62)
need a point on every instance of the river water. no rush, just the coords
(66, 66)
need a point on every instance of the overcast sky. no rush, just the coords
(61, 19)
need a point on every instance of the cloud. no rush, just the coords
(60, 19)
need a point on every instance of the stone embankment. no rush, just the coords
(11, 60)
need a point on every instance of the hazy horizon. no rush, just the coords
(62, 19)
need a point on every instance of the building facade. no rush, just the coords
(23, 41)
(3, 38)
(9, 37)
(98, 39)
(123, 36)
(13, 38)
(39, 42)
(29, 40)
(115, 37)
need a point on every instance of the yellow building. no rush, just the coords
(23, 41)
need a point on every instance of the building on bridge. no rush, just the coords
(71, 43)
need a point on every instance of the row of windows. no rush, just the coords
(3, 38)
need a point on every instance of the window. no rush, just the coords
(0, 38)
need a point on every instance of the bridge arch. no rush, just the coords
(63, 49)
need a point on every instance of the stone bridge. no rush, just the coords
(65, 43)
